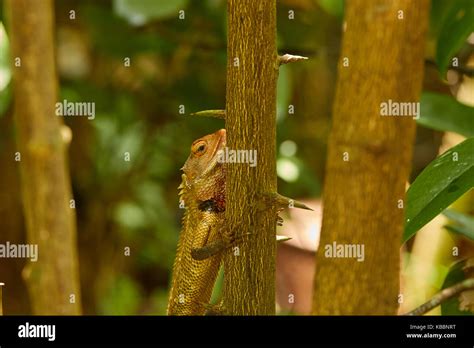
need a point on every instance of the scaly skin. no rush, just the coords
(203, 194)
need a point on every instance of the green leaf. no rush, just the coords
(439, 10)
(461, 223)
(218, 287)
(458, 24)
(442, 182)
(455, 275)
(444, 113)
(139, 12)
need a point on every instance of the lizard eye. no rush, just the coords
(199, 148)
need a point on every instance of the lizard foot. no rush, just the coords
(217, 246)
(208, 250)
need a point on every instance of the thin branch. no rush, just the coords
(443, 296)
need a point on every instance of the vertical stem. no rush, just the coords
(369, 158)
(45, 182)
(251, 125)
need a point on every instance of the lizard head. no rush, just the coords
(204, 155)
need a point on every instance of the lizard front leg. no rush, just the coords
(218, 238)
(215, 246)
(207, 242)
(226, 240)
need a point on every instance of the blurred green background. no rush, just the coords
(176, 65)
(173, 64)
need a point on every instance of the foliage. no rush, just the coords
(444, 113)
(444, 180)
(439, 185)
(455, 275)
(457, 25)
(461, 223)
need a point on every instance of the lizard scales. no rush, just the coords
(202, 192)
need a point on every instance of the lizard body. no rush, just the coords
(203, 193)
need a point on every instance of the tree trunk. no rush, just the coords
(12, 227)
(369, 157)
(53, 280)
(251, 125)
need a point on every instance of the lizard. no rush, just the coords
(204, 236)
(202, 191)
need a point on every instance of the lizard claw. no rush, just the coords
(279, 220)
(234, 238)
(215, 309)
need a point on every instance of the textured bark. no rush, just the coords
(361, 195)
(46, 188)
(250, 121)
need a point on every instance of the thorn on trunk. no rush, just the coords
(289, 58)
(210, 113)
(284, 202)
(281, 239)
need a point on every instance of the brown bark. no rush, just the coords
(250, 121)
(46, 188)
(12, 229)
(361, 195)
